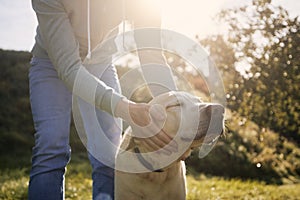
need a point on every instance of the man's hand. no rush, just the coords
(147, 122)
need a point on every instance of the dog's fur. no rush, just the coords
(169, 182)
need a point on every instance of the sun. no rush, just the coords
(191, 17)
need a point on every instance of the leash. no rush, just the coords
(144, 161)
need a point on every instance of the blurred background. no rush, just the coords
(255, 44)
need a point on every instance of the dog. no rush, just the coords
(155, 176)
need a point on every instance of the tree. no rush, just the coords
(266, 38)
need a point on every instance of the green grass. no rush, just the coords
(14, 183)
(219, 188)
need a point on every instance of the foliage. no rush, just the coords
(265, 41)
(250, 152)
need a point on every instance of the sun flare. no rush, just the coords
(191, 17)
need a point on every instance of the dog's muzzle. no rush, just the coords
(210, 125)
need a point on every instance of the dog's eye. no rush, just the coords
(174, 105)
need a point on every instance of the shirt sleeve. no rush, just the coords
(156, 71)
(63, 50)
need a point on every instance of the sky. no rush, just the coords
(18, 21)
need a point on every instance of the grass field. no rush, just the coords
(14, 182)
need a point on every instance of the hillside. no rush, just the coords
(248, 151)
(16, 126)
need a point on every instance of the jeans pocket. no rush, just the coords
(40, 61)
(33, 61)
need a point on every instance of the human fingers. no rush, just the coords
(166, 140)
(152, 129)
(139, 114)
(156, 133)
(157, 116)
(160, 141)
(163, 145)
(151, 146)
(158, 112)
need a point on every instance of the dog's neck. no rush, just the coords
(151, 162)
(144, 162)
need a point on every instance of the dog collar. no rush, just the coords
(144, 162)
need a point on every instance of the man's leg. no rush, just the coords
(103, 133)
(51, 110)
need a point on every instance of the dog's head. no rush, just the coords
(195, 121)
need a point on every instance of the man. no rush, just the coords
(67, 31)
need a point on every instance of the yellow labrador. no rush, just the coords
(155, 176)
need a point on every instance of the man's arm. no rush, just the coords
(156, 71)
(63, 50)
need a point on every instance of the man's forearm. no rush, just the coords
(156, 71)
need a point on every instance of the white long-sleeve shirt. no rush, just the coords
(63, 37)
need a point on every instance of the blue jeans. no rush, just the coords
(51, 105)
